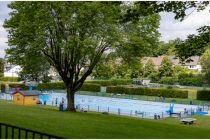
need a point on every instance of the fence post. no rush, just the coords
(108, 109)
(162, 114)
(98, 108)
(0, 132)
(118, 111)
(130, 113)
(6, 132)
(88, 107)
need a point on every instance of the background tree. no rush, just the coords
(205, 63)
(74, 35)
(166, 48)
(166, 67)
(103, 70)
(1, 67)
(149, 68)
(194, 44)
(34, 65)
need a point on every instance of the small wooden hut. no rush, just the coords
(26, 97)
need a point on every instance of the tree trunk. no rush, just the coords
(70, 100)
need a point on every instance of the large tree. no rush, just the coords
(33, 63)
(1, 67)
(205, 63)
(74, 35)
(166, 67)
(194, 44)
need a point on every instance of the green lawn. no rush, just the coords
(95, 125)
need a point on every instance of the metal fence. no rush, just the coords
(134, 113)
(8, 131)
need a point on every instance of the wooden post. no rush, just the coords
(118, 111)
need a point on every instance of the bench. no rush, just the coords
(188, 120)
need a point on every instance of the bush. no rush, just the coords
(168, 80)
(61, 85)
(11, 79)
(91, 87)
(170, 93)
(14, 85)
(52, 86)
(203, 95)
(191, 79)
(111, 82)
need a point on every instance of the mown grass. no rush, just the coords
(96, 125)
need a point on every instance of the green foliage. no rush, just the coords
(154, 76)
(72, 36)
(171, 93)
(110, 82)
(149, 68)
(14, 85)
(96, 125)
(53, 86)
(179, 8)
(103, 70)
(168, 80)
(1, 67)
(166, 48)
(91, 87)
(194, 44)
(11, 79)
(205, 63)
(191, 79)
(166, 67)
(203, 95)
(179, 70)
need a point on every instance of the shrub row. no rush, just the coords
(168, 80)
(11, 79)
(203, 95)
(51, 86)
(111, 82)
(170, 93)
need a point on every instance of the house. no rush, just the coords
(194, 64)
(12, 71)
(26, 97)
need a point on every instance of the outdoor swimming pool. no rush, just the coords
(120, 106)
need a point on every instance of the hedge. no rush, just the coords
(203, 95)
(170, 93)
(168, 80)
(53, 86)
(11, 79)
(111, 82)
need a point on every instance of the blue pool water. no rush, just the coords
(112, 105)
(126, 106)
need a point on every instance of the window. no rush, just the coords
(191, 66)
(34, 97)
(18, 97)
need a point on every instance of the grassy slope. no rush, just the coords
(94, 125)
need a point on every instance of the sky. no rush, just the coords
(169, 27)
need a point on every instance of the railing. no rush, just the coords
(22, 133)
(132, 113)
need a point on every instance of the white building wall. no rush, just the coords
(13, 72)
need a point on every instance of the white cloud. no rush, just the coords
(171, 29)
(3, 46)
